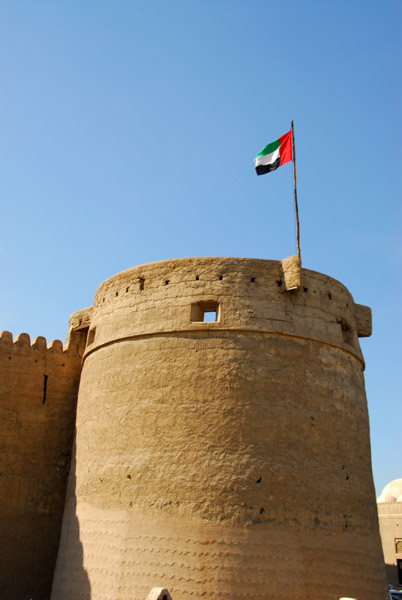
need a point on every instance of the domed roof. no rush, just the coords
(392, 492)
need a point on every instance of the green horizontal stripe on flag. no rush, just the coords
(269, 148)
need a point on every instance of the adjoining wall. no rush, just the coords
(224, 459)
(38, 392)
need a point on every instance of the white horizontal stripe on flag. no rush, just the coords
(267, 159)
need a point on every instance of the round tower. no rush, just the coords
(222, 445)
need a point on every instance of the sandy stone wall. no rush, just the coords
(224, 459)
(38, 394)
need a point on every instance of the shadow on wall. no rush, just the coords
(70, 578)
(394, 574)
(28, 556)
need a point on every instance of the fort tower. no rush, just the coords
(224, 458)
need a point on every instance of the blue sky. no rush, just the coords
(127, 133)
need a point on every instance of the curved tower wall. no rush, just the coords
(223, 459)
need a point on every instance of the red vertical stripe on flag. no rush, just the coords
(285, 148)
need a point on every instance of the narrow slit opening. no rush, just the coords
(45, 378)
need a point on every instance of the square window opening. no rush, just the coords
(205, 312)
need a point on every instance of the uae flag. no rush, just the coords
(274, 155)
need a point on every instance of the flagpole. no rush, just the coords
(295, 193)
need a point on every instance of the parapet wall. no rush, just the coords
(250, 294)
(38, 392)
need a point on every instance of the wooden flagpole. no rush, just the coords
(295, 193)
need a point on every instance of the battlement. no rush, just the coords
(39, 345)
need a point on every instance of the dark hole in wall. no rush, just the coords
(45, 378)
(142, 283)
(347, 331)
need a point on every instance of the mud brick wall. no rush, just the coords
(38, 393)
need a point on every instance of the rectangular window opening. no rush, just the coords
(205, 312)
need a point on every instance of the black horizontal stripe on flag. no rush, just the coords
(262, 169)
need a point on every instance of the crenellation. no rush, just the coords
(55, 346)
(6, 340)
(38, 346)
(40, 343)
(22, 341)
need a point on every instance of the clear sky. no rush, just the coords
(127, 135)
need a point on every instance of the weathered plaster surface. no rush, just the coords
(222, 460)
(38, 395)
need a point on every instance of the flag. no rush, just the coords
(274, 155)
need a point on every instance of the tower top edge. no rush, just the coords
(193, 261)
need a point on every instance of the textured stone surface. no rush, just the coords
(224, 459)
(291, 272)
(38, 395)
(363, 320)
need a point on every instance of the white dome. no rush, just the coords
(386, 498)
(392, 492)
